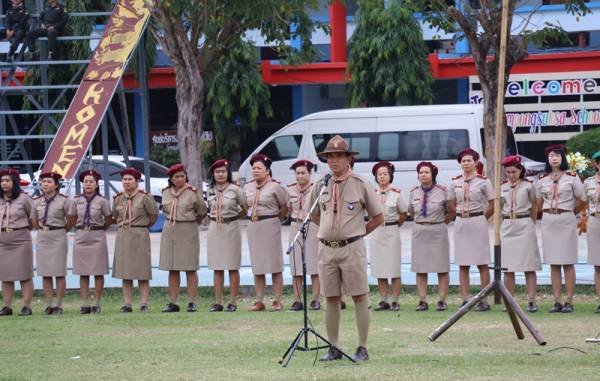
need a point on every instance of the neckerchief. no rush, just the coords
(127, 216)
(88, 208)
(301, 192)
(336, 198)
(173, 211)
(48, 201)
(425, 191)
(554, 200)
(257, 196)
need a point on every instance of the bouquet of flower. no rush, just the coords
(580, 164)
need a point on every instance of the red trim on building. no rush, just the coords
(315, 73)
(337, 15)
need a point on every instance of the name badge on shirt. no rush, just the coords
(351, 206)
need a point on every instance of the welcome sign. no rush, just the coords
(528, 88)
(100, 80)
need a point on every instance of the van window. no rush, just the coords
(283, 147)
(362, 143)
(511, 145)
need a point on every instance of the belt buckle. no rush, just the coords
(8, 230)
(45, 228)
(334, 244)
(254, 218)
(87, 229)
(466, 214)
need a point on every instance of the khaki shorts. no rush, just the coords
(343, 267)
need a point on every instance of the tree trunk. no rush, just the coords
(490, 101)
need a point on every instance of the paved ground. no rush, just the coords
(584, 271)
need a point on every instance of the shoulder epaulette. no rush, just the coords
(442, 187)
(165, 188)
(63, 195)
(482, 176)
(457, 177)
(142, 192)
(504, 182)
(528, 180)
(397, 190)
(36, 197)
(251, 181)
(116, 194)
(193, 189)
(415, 188)
(542, 176)
(571, 174)
(292, 185)
(276, 181)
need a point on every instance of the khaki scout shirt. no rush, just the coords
(592, 192)
(393, 204)
(99, 210)
(271, 198)
(517, 199)
(437, 200)
(570, 189)
(58, 210)
(232, 201)
(190, 204)
(142, 207)
(481, 192)
(16, 213)
(356, 197)
(294, 196)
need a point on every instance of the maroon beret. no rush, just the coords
(218, 164)
(383, 163)
(467, 152)
(261, 157)
(175, 168)
(52, 175)
(512, 161)
(303, 163)
(90, 172)
(9, 172)
(555, 148)
(133, 172)
(434, 169)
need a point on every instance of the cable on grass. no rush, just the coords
(571, 348)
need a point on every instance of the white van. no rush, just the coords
(403, 135)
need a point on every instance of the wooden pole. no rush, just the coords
(498, 147)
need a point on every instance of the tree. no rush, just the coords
(388, 58)
(479, 22)
(196, 34)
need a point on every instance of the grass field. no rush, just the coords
(248, 346)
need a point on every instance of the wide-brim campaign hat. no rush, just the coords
(337, 144)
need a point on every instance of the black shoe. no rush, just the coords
(422, 306)
(315, 305)
(6, 311)
(532, 307)
(85, 310)
(557, 308)
(126, 309)
(216, 307)
(361, 354)
(57, 311)
(483, 307)
(231, 307)
(342, 305)
(568, 308)
(96, 309)
(145, 308)
(171, 307)
(25, 311)
(382, 306)
(395, 306)
(441, 306)
(192, 307)
(296, 306)
(332, 354)
(48, 310)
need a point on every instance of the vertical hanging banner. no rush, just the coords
(100, 80)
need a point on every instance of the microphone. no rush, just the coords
(326, 179)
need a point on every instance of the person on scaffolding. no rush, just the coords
(15, 26)
(52, 23)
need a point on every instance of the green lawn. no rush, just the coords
(248, 346)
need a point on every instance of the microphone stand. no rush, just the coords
(296, 344)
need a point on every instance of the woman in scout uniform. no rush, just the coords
(385, 244)
(592, 192)
(267, 201)
(51, 212)
(298, 194)
(226, 204)
(472, 195)
(430, 247)
(16, 251)
(520, 250)
(560, 195)
(134, 211)
(90, 214)
(184, 209)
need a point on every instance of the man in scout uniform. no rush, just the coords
(342, 254)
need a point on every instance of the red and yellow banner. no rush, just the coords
(97, 88)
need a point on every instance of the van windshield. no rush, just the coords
(511, 144)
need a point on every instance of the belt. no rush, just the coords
(259, 218)
(595, 214)
(391, 223)
(134, 226)
(429, 223)
(89, 228)
(13, 229)
(297, 220)
(556, 211)
(516, 216)
(225, 220)
(341, 242)
(47, 228)
(468, 214)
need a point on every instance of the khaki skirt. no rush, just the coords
(559, 238)
(132, 259)
(51, 251)
(311, 251)
(224, 243)
(471, 241)
(16, 256)
(180, 247)
(90, 253)
(385, 250)
(593, 241)
(264, 242)
(430, 249)
(520, 251)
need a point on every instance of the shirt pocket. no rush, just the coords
(351, 206)
(565, 191)
(324, 201)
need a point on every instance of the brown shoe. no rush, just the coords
(441, 306)
(382, 306)
(231, 308)
(422, 306)
(48, 310)
(395, 306)
(557, 308)
(257, 306)
(216, 308)
(96, 309)
(532, 307)
(144, 308)
(171, 307)
(276, 306)
(296, 306)
(483, 307)
(315, 305)
(85, 310)
(57, 311)
(26, 311)
(568, 308)
(332, 354)
(6, 311)
(125, 309)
